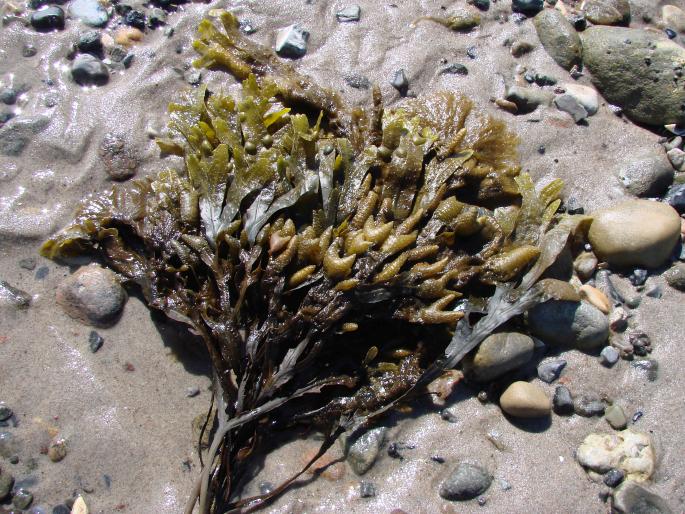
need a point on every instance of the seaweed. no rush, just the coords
(305, 240)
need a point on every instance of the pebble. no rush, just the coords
(8, 96)
(615, 63)
(193, 76)
(483, 5)
(498, 354)
(463, 20)
(528, 99)
(454, 69)
(292, 41)
(128, 36)
(585, 95)
(569, 324)
(5, 412)
(675, 197)
(92, 295)
(562, 401)
(48, 18)
(79, 506)
(608, 356)
(675, 276)
(118, 157)
(192, 392)
(137, 19)
(6, 484)
(641, 343)
(559, 38)
(631, 498)
(616, 417)
(673, 17)
(90, 42)
(366, 489)
(549, 371)
(677, 158)
(61, 509)
(521, 47)
(364, 451)
(57, 449)
(400, 82)
(22, 499)
(525, 400)
(89, 12)
(607, 12)
(88, 70)
(158, 17)
(649, 174)
(95, 341)
(17, 133)
(649, 367)
(572, 106)
(449, 415)
(585, 265)
(635, 233)
(442, 387)
(12, 297)
(465, 482)
(527, 7)
(613, 477)
(595, 297)
(28, 50)
(629, 451)
(588, 405)
(350, 13)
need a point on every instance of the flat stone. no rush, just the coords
(562, 401)
(588, 405)
(569, 324)
(88, 70)
(585, 95)
(525, 400)
(349, 13)
(631, 498)
(675, 276)
(89, 12)
(454, 69)
(498, 354)
(363, 452)
(673, 17)
(12, 297)
(292, 41)
(549, 371)
(92, 295)
(607, 12)
(572, 106)
(629, 451)
(465, 483)
(399, 81)
(648, 175)
(616, 417)
(559, 38)
(22, 499)
(637, 233)
(634, 69)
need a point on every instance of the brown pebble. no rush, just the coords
(57, 449)
(127, 36)
(525, 400)
(506, 105)
(595, 297)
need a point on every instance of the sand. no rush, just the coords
(130, 443)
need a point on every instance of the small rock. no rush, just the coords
(192, 392)
(498, 354)
(92, 295)
(88, 70)
(79, 506)
(525, 400)
(528, 99)
(449, 415)
(8, 96)
(90, 12)
(357, 81)
(673, 17)
(464, 483)
(588, 406)
(454, 69)
(48, 18)
(585, 95)
(5, 412)
(364, 451)
(483, 5)
(616, 417)
(95, 341)
(13, 297)
(57, 449)
(291, 41)
(641, 343)
(608, 356)
(462, 20)
(527, 7)
(675, 276)
(559, 38)
(28, 50)
(649, 367)
(350, 13)
(158, 17)
(193, 77)
(22, 499)
(569, 324)
(613, 477)
(442, 387)
(585, 265)
(135, 19)
(620, 290)
(629, 451)
(677, 158)
(595, 297)
(366, 489)
(118, 157)
(631, 498)
(521, 47)
(562, 401)
(400, 82)
(128, 36)
(6, 484)
(607, 12)
(471, 52)
(549, 371)
(569, 104)
(675, 197)
(578, 21)
(647, 175)
(90, 42)
(61, 509)
(29, 263)
(635, 233)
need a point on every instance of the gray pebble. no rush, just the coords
(616, 417)
(649, 367)
(88, 70)
(95, 341)
(562, 402)
(454, 69)
(466, 482)
(42, 272)
(191, 392)
(449, 415)
(12, 297)
(367, 489)
(613, 477)
(5, 412)
(641, 343)
(17, 133)
(61, 509)
(28, 50)
(192, 76)
(569, 324)
(572, 106)
(363, 452)
(48, 18)
(8, 95)
(6, 484)
(349, 13)
(22, 499)
(632, 498)
(292, 41)
(675, 197)
(498, 354)
(588, 406)
(90, 42)
(549, 371)
(608, 356)
(357, 81)
(675, 276)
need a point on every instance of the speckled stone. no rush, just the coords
(466, 482)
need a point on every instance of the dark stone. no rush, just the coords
(95, 341)
(613, 477)
(400, 82)
(61, 509)
(578, 21)
(90, 42)
(8, 95)
(527, 7)
(135, 19)
(588, 406)
(631, 498)
(88, 70)
(5, 412)
(471, 52)
(28, 50)
(562, 401)
(638, 277)
(467, 481)
(48, 18)
(357, 81)
(670, 33)
(42, 272)
(483, 5)
(158, 17)
(549, 371)
(367, 489)
(454, 69)
(675, 197)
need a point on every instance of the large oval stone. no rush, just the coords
(568, 324)
(637, 70)
(524, 400)
(635, 233)
(498, 354)
(559, 38)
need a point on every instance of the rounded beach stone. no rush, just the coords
(569, 324)
(585, 95)
(92, 295)
(559, 38)
(675, 277)
(88, 70)
(648, 175)
(466, 482)
(635, 233)
(498, 354)
(631, 498)
(633, 68)
(673, 17)
(525, 400)
(607, 12)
